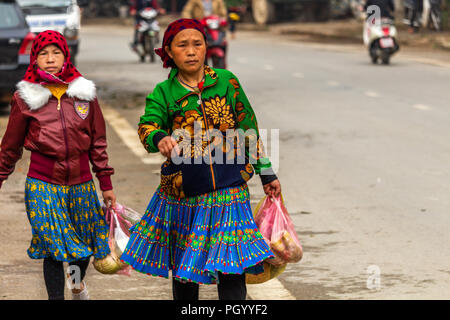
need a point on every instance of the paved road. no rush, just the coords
(363, 162)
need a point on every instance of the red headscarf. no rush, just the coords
(68, 72)
(171, 31)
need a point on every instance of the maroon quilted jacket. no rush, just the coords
(62, 142)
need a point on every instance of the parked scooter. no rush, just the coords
(148, 34)
(380, 37)
(217, 42)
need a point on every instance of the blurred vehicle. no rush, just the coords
(102, 8)
(215, 27)
(15, 45)
(269, 11)
(148, 34)
(380, 37)
(58, 15)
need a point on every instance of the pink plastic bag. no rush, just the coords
(120, 220)
(277, 228)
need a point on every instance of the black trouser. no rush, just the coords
(55, 277)
(230, 287)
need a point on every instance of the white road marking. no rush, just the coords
(298, 75)
(333, 83)
(371, 94)
(270, 290)
(421, 107)
(129, 136)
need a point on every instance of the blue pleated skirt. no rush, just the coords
(197, 237)
(67, 222)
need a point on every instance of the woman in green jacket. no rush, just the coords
(199, 222)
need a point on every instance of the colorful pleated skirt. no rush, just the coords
(197, 237)
(67, 222)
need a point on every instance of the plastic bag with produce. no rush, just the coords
(277, 228)
(120, 220)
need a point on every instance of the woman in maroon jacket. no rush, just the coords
(56, 116)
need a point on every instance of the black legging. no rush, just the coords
(230, 287)
(55, 277)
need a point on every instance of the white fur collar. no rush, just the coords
(36, 95)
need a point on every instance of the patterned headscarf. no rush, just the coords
(68, 72)
(172, 30)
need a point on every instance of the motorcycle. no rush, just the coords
(148, 34)
(217, 42)
(380, 37)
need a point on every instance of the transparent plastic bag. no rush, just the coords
(120, 220)
(264, 218)
(277, 228)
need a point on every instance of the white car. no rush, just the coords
(59, 15)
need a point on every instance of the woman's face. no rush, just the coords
(188, 50)
(50, 59)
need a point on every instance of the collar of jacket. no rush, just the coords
(36, 95)
(179, 92)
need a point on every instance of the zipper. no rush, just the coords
(209, 145)
(63, 122)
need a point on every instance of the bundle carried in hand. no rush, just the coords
(276, 227)
(120, 219)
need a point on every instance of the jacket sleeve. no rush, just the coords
(97, 151)
(153, 125)
(12, 143)
(246, 119)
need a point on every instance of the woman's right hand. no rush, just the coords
(166, 145)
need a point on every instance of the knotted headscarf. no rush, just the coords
(68, 72)
(172, 30)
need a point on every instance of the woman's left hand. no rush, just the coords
(109, 198)
(272, 189)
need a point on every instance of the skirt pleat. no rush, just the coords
(197, 237)
(67, 222)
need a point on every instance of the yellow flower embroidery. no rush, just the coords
(220, 112)
(195, 142)
(173, 184)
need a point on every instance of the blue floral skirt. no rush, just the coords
(67, 222)
(197, 237)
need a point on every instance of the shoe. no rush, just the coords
(83, 295)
